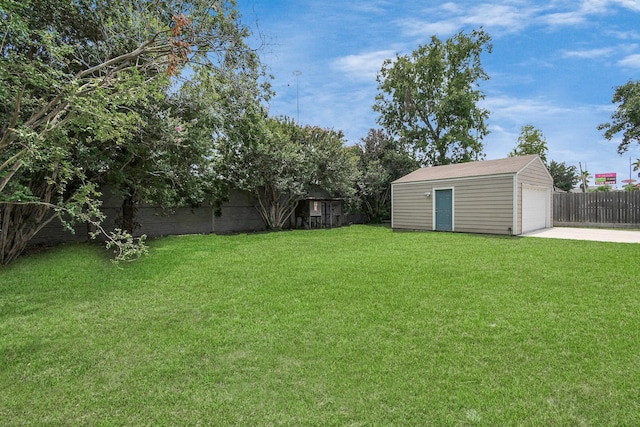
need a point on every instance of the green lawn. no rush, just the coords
(357, 326)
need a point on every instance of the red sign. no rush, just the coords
(606, 178)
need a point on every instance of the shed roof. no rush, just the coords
(464, 170)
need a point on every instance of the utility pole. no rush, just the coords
(584, 176)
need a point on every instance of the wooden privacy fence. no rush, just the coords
(611, 208)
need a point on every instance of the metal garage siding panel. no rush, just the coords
(536, 174)
(485, 208)
(481, 204)
(410, 208)
(484, 205)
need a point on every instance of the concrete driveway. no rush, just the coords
(594, 234)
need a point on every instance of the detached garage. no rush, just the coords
(504, 196)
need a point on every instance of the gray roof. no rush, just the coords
(510, 165)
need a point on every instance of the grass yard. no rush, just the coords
(356, 326)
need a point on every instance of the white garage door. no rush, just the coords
(535, 209)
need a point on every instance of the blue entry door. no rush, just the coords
(444, 209)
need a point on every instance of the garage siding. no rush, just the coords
(411, 209)
(481, 204)
(535, 174)
(484, 205)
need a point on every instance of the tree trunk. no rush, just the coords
(275, 213)
(20, 222)
(18, 225)
(129, 211)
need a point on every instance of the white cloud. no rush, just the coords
(625, 35)
(629, 4)
(589, 54)
(420, 28)
(451, 8)
(364, 66)
(564, 18)
(507, 16)
(589, 7)
(522, 110)
(499, 16)
(575, 14)
(631, 61)
(604, 52)
(369, 6)
(570, 130)
(585, 10)
(595, 6)
(452, 17)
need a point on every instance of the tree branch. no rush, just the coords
(10, 129)
(12, 158)
(16, 167)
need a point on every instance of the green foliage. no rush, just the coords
(280, 162)
(603, 188)
(429, 99)
(531, 141)
(125, 247)
(565, 177)
(92, 95)
(626, 118)
(382, 160)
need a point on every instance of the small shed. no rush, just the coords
(319, 212)
(504, 196)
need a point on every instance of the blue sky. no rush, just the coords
(555, 64)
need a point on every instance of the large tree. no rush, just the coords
(169, 163)
(565, 177)
(83, 85)
(531, 141)
(280, 162)
(382, 159)
(626, 118)
(429, 99)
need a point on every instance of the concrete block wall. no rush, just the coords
(54, 233)
(237, 215)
